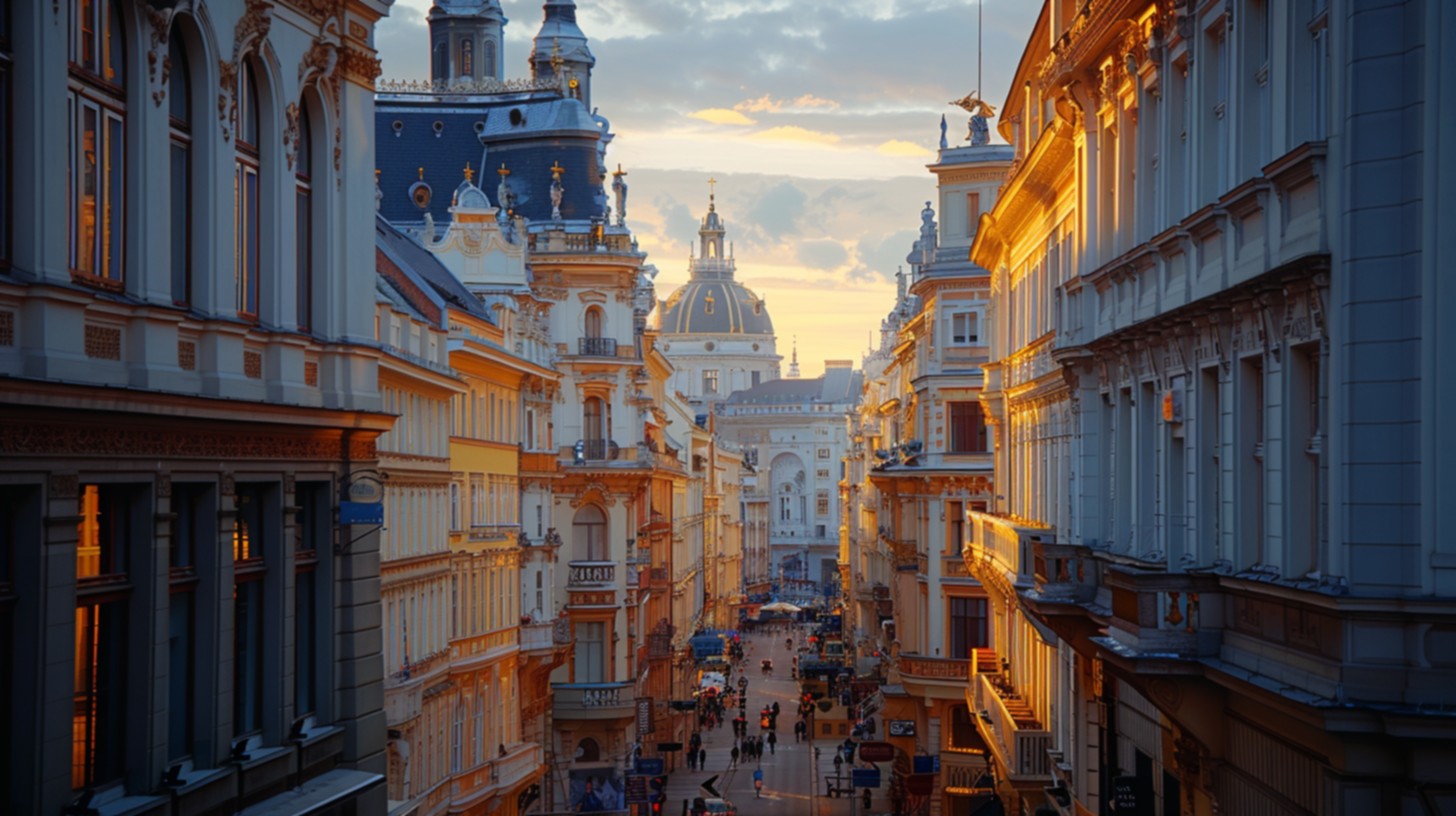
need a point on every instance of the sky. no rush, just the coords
(817, 118)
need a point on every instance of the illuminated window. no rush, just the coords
(246, 172)
(96, 103)
(467, 58)
(109, 520)
(708, 305)
(710, 381)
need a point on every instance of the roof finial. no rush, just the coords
(422, 174)
(712, 193)
(794, 360)
(469, 174)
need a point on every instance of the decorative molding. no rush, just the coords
(186, 355)
(7, 328)
(102, 342)
(252, 28)
(160, 20)
(164, 485)
(290, 133)
(253, 364)
(64, 485)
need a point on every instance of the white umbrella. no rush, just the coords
(780, 606)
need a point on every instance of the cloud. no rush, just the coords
(878, 256)
(768, 104)
(722, 116)
(794, 133)
(823, 254)
(778, 211)
(900, 147)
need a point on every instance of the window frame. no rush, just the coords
(103, 93)
(980, 441)
(250, 572)
(303, 223)
(247, 206)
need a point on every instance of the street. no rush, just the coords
(792, 785)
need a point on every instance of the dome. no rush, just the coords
(714, 307)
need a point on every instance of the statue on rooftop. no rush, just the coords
(980, 110)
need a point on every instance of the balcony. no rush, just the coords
(538, 462)
(592, 701)
(942, 678)
(1063, 572)
(591, 574)
(596, 346)
(496, 775)
(1011, 729)
(592, 450)
(538, 637)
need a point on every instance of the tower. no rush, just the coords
(465, 40)
(710, 236)
(560, 45)
(794, 361)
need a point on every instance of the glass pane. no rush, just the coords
(179, 677)
(112, 219)
(181, 223)
(98, 713)
(115, 56)
(250, 248)
(89, 183)
(179, 98)
(86, 39)
(305, 258)
(247, 656)
(303, 637)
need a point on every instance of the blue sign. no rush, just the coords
(865, 777)
(361, 512)
(651, 766)
(706, 646)
(927, 764)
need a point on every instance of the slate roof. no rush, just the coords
(735, 310)
(525, 131)
(422, 265)
(837, 385)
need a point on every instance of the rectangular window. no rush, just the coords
(250, 546)
(98, 725)
(823, 453)
(973, 212)
(311, 543)
(754, 377)
(821, 503)
(967, 427)
(304, 231)
(590, 653)
(245, 241)
(710, 381)
(965, 329)
(955, 527)
(967, 626)
(194, 515)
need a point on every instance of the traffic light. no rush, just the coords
(657, 792)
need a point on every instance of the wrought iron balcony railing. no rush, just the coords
(597, 347)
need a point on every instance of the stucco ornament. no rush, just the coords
(980, 110)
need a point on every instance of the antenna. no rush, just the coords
(980, 28)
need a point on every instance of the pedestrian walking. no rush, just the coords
(733, 763)
(772, 741)
(692, 760)
(703, 759)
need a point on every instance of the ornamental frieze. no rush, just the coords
(54, 439)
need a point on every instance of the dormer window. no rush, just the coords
(708, 305)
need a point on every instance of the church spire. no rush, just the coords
(712, 260)
(794, 361)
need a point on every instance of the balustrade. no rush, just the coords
(591, 573)
(933, 668)
(597, 347)
(592, 701)
(1011, 723)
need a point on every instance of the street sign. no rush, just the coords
(649, 766)
(352, 512)
(645, 725)
(927, 764)
(637, 790)
(902, 728)
(708, 786)
(865, 777)
(876, 752)
(668, 747)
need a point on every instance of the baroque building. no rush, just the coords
(921, 460)
(191, 398)
(716, 331)
(1235, 566)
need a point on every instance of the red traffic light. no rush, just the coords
(656, 807)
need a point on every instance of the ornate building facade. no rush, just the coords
(1195, 290)
(191, 397)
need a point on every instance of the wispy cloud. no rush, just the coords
(768, 104)
(722, 116)
(900, 147)
(794, 133)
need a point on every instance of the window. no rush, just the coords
(110, 520)
(965, 329)
(822, 473)
(250, 546)
(593, 322)
(20, 521)
(311, 539)
(973, 212)
(6, 129)
(194, 514)
(467, 63)
(967, 626)
(710, 381)
(487, 58)
(180, 119)
(96, 101)
(303, 223)
(454, 505)
(821, 503)
(967, 428)
(823, 453)
(246, 194)
(708, 301)
(590, 665)
(754, 378)
(589, 532)
(955, 527)
(593, 426)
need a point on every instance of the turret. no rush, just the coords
(466, 37)
(561, 47)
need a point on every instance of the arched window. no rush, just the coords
(180, 120)
(593, 321)
(303, 220)
(487, 58)
(588, 751)
(467, 58)
(96, 98)
(589, 534)
(246, 194)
